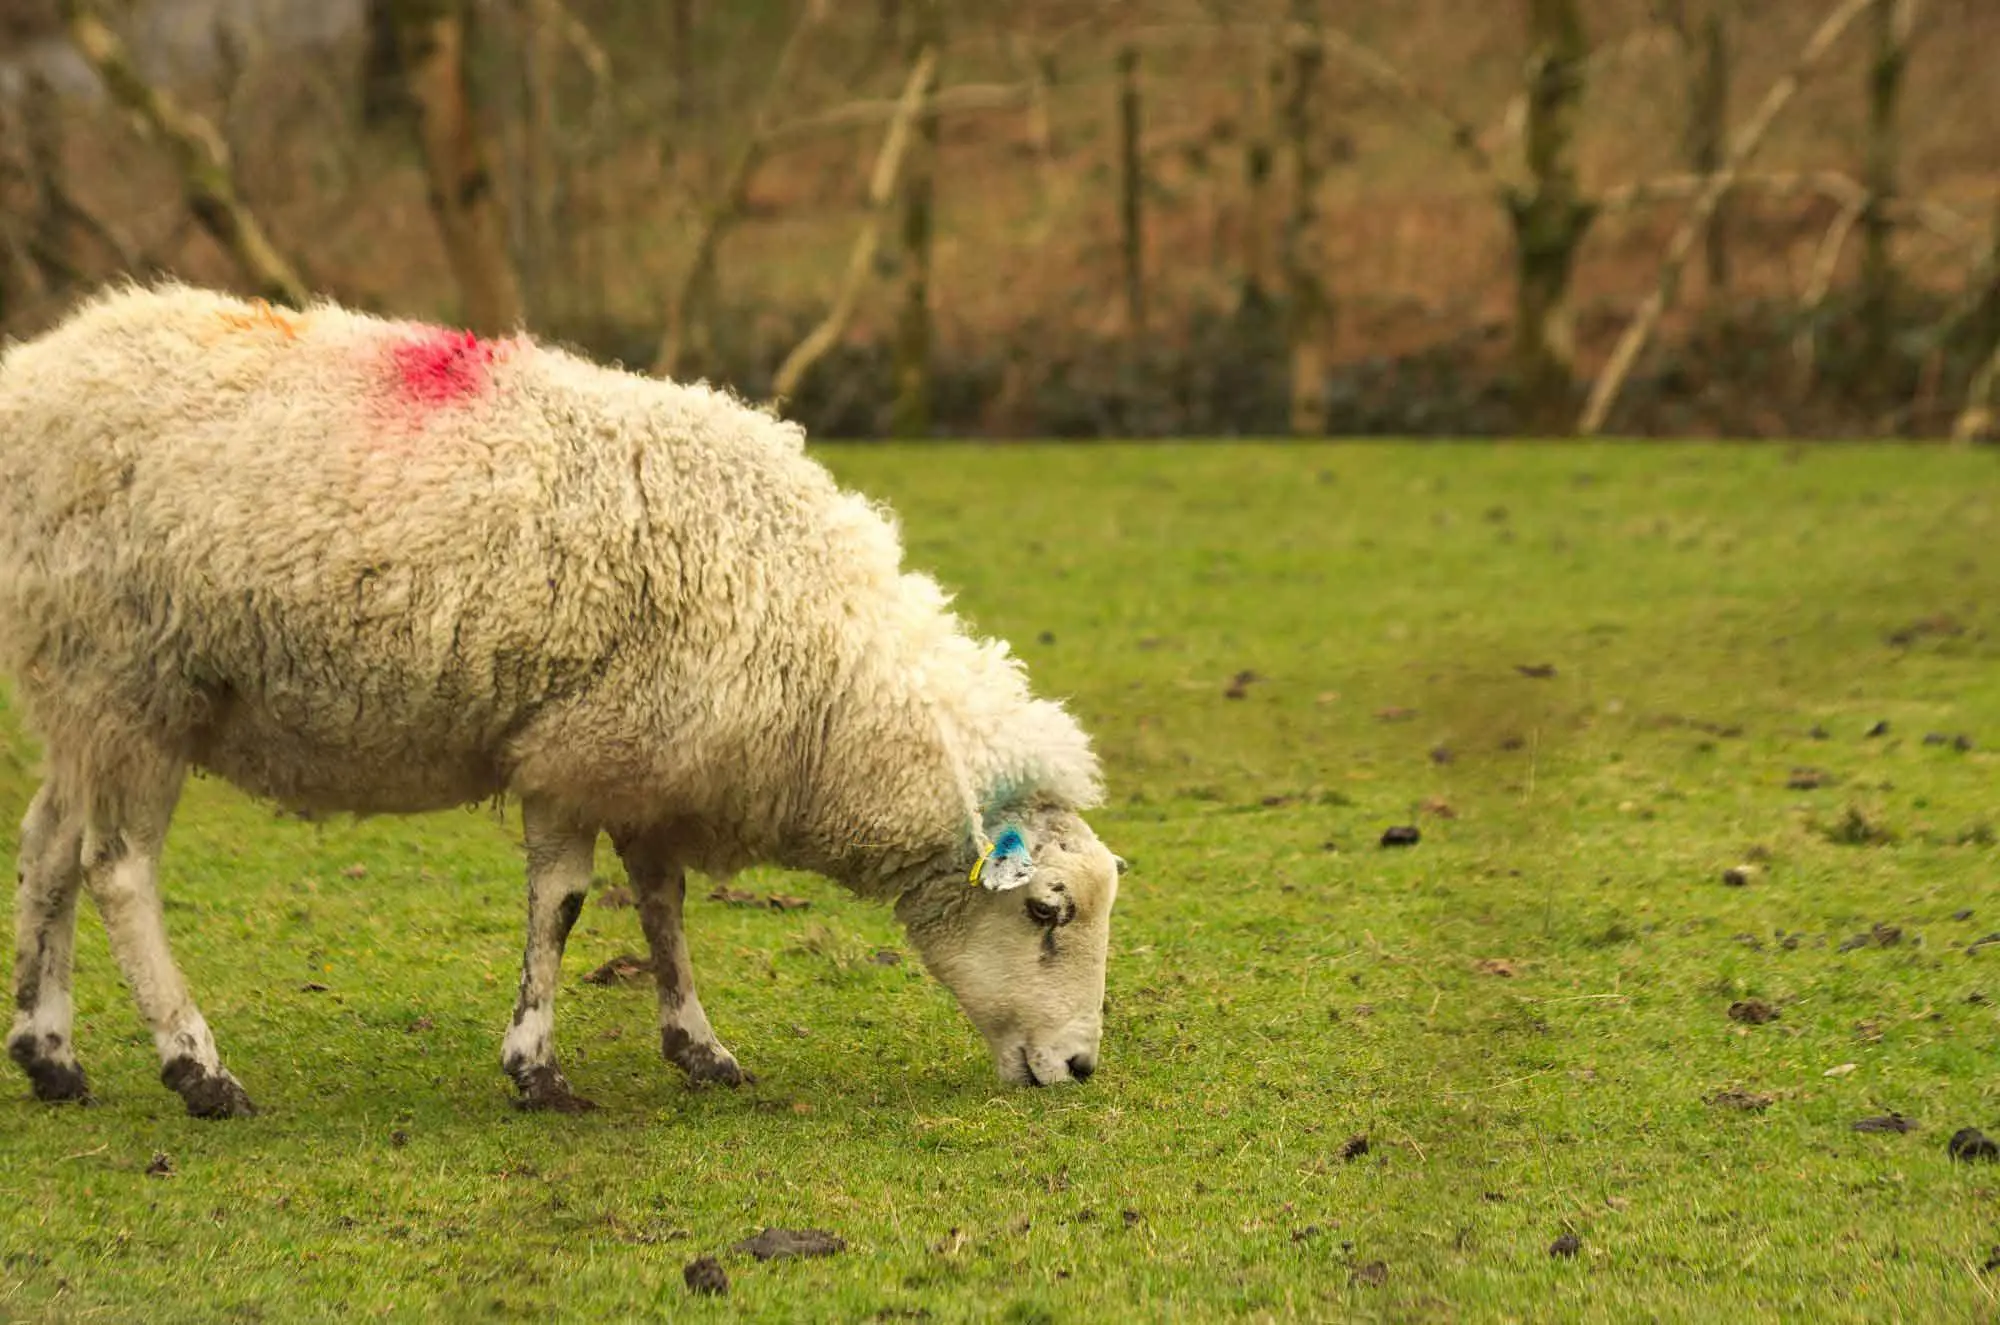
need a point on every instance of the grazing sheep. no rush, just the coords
(363, 566)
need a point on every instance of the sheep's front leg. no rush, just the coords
(122, 838)
(51, 874)
(686, 1038)
(559, 859)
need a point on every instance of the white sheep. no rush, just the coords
(366, 566)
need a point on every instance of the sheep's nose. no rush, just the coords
(1081, 1066)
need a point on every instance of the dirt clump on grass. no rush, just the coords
(1857, 829)
(622, 969)
(1968, 1144)
(1744, 1101)
(1879, 935)
(773, 901)
(779, 1243)
(705, 1275)
(1753, 1011)
(1888, 1122)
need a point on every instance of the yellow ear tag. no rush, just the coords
(1005, 865)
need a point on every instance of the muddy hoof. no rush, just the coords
(545, 1090)
(207, 1094)
(52, 1082)
(58, 1083)
(704, 1067)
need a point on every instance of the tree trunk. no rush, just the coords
(385, 92)
(20, 274)
(1878, 270)
(1708, 127)
(1258, 159)
(682, 19)
(685, 337)
(861, 260)
(431, 39)
(1550, 219)
(200, 157)
(1975, 421)
(1131, 191)
(43, 115)
(535, 178)
(1307, 309)
(1986, 315)
(1604, 392)
(910, 415)
(36, 253)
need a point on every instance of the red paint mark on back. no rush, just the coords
(439, 367)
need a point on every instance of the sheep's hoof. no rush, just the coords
(52, 1082)
(545, 1090)
(207, 1094)
(707, 1064)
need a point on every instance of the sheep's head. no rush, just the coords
(1022, 945)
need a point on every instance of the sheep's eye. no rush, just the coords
(1043, 913)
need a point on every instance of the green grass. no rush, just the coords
(1279, 982)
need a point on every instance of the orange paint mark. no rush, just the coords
(262, 317)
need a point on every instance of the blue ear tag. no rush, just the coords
(1006, 864)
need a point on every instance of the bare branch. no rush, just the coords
(1825, 262)
(722, 211)
(1841, 188)
(1515, 117)
(200, 157)
(1456, 133)
(1976, 422)
(881, 193)
(458, 162)
(579, 39)
(1604, 392)
(968, 99)
(65, 205)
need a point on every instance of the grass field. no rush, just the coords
(1526, 1015)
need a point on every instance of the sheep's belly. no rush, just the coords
(375, 767)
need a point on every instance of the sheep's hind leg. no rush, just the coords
(559, 859)
(50, 875)
(122, 837)
(686, 1038)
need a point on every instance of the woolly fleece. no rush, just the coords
(369, 566)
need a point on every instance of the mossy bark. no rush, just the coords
(199, 155)
(1878, 261)
(1550, 219)
(1708, 127)
(1131, 190)
(910, 414)
(1308, 310)
(431, 37)
(1259, 159)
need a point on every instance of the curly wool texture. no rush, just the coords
(370, 566)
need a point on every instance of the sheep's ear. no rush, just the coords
(1006, 865)
(1123, 864)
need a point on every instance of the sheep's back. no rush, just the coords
(338, 559)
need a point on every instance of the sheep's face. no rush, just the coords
(1024, 949)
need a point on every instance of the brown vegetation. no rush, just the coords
(667, 187)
